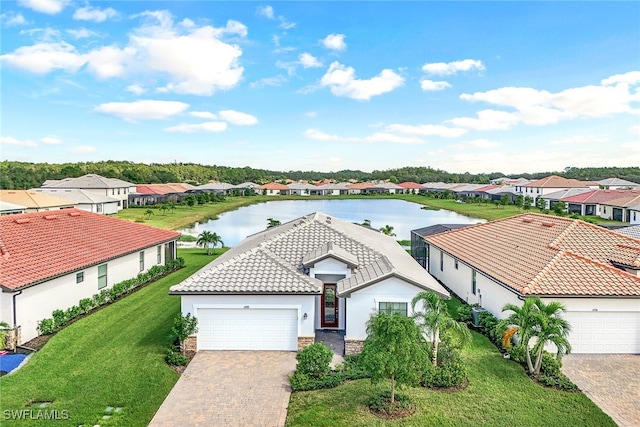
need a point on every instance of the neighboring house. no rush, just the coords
(96, 184)
(336, 189)
(35, 202)
(631, 231)
(215, 187)
(419, 246)
(52, 260)
(246, 186)
(7, 208)
(496, 193)
(383, 188)
(358, 187)
(618, 184)
(593, 202)
(467, 190)
(593, 271)
(561, 195)
(273, 189)
(303, 189)
(83, 199)
(623, 209)
(412, 187)
(274, 289)
(634, 214)
(551, 184)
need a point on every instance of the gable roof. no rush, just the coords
(617, 182)
(272, 186)
(88, 181)
(631, 231)
(224, 186)
(286, 249)
(437, 228)
(171, 187)
(34, 200)
(600, 196)
(411, 185)
(76, 195)
(67, 240)
(547, 255)
(10, 207)
(628, 200)
(555, 181)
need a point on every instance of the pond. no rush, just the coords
(403, 216)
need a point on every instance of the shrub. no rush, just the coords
(59, 318)
(183, 326)
(561, 382)
(175, 358)
(382, 403)
(451, 373)
(314, 360)
(46, 326)
(73, 312)
(465, 313)
(100, 298)
(517, 353)
(550, 365)
(85, 304)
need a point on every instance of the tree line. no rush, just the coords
(24, 175)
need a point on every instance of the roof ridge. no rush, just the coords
(556, 258)
(564, 234)
(348, 237)
(606, 266)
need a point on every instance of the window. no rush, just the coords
(473, 282)
(102, 276)
(80, 277)
(456, 264)
(118, 191)
(441, 261)
(158, 254)
(393, 308)
(142, 261)
(604, 209)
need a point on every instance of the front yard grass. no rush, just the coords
(112, 358)
(499, 394)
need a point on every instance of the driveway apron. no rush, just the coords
(611, 381)
(230, 388)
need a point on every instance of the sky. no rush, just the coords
(479, 87)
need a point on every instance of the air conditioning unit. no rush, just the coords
(475, 312)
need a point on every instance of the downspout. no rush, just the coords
(15, 294)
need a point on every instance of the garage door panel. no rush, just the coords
(604, 332)
(247, 329)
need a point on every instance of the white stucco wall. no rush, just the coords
(302, 303)
(364, 303)
(330, 266)
(38, 302)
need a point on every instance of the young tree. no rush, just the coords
(148, 213)
(559, 208)
(183, 327)
(393, 350)
(206, 240)
(388, 230)
(541, 203)
(520, 201)
(504, 200)
(434, 319)
(164, 208)
(527, 202)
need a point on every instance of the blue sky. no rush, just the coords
(478, 87)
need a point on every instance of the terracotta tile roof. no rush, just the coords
(600, 196)
(547, 255)
(555, 181)
(34, 200)
(411, 185)
(625, 201)
(67, 240)
(163, 188)
(360, 185)
(273, 186)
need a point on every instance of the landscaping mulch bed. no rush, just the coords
(38, 342)
(180, 369)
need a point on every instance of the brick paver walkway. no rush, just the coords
(230, 388)
(611, 381)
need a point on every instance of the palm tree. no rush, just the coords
(272, 222)
(205, 239)
(215, 239)
(164, 208)
(367, 223)
(148, 213)
(388, 230)
(435, 318)
(541, 321)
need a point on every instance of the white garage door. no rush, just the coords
(604, 332)
(247, 329)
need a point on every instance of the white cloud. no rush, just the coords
(630, 78)
(382, 137)
(82, 149)
(142, 110)
(449, 68)
(109, 61)
(81, 33)
(135, 89)
(427, 130)
(50, 7)
(335, 42)
(487, 120)
(266, 11)
(9, 140)
(94, 14)
(309, 61)
(199, 127)
(342, 81)
(203, 115)
(268, 81)
(481, 143)
(431, 86)
(42, 58)
(311, 114)
(284, 24)
(50, 140)
(237, 118)
(11, 19)
(634, 130)
(581, 139)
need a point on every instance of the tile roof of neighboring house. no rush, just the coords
(34, 200)
(631, 231)
(273, 261)
(625, 201)
(75, 195)
(272, 186)
(384, 185)
(502, 189)
(467, 187)
(488, 187)
(244, 185)
(67, 240)
(360, 185)
(334, 186)
(88, 181)
(148, 189)
(599, 196)
(555, 181)
(301, 186)
(411, 185)
(547, 255)
(566, 192)
(10, 207)
(438, 228)
(221, 186)
(617, 182)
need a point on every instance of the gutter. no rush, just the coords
(15, 294)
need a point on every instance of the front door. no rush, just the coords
(329, 307)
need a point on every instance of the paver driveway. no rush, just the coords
(611, 381)
(230, 388)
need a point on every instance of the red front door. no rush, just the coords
(329, 309)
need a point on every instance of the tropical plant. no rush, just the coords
(527, 202)
(206, 240)
(148, 213)
(164, 208)
(4, 331)
(393, 349)
(183, 327)
(388, 230)
(544, 322)
(367, 223)
(272, 222)
(435, 319)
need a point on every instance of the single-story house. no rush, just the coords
(273, 189)
(34, 201)
(336, 189)
(623, 209)
(412, 187)
(303, 189)
(550, 184)
(7, 208)
(97, 184)
(592, 202)
(419, 246)
(277, 287)
(618, 184)
(51, 260)
(593, 271)
(83, 199)
(152, 194)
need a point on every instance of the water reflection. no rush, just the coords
(403, 216)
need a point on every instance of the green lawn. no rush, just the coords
(499, 394)
(114, 357)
